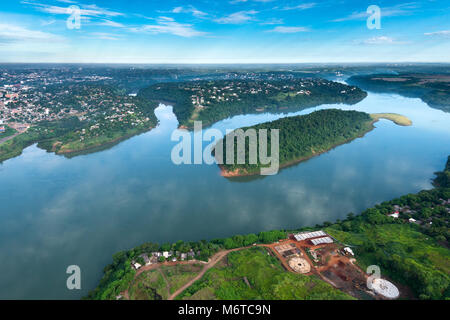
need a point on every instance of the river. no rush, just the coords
(57, 212)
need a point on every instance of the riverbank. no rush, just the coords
(13, 146)
(236, 173)
(410, 247)
(70, 151)
(394, 117)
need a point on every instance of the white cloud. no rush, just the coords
(15, 33)
(85, 10)
(380, 40)
(104, 36)
(109, 23)
(191, 10)
(444, 33)
(170, 26)
(398, 10)
(238, 17)
(47, 22)
(281, 29)
(302, 6)
(272, 22)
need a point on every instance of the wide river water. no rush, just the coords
(57, 212)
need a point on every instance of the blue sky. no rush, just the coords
(230, 31)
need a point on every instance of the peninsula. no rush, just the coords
(71, 118)
(214, 100)
(432, 88)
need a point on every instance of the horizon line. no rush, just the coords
(232, 63)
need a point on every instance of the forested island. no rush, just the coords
(407, 237)
(305, 136)
(214, 100)
(432, 88)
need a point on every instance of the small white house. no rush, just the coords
(166, 254)
(137, 266)
(349, 251)
(412, 220)
(394, 215)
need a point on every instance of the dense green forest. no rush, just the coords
(225, 98)
(414, 254)
(432, 88)
(303, 136)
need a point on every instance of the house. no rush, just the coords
(394, 215)
(146, 259)
(349, 251)
(412, 220)
(184, 256)
(2, 129)
(137, 266)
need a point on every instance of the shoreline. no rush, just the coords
(101, 146)
(398, 119)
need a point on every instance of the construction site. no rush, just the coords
(318, 253)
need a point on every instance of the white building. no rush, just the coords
(394, 215)
(349, 251)
(137, 266)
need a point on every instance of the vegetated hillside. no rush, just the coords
(98, 115)
(443, 178)
(211, 101)
(432, 88)
(252, 274)
(413, 254)
(303, 136)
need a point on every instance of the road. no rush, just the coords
(211, 263)
(9, 137)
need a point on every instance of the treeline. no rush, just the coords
(303, 136)
(434, 93)
(68, 129)
(413, 254)
(277, 97)
(171, 93)
(42, 133)
(443, 178)
(119, 273)
(373, 235)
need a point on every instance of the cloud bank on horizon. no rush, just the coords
(228, 31)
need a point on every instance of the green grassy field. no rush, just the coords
(403, 254)
(254, 274)
(179, 275)
(148, 285)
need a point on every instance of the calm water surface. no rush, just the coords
(57, 212)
